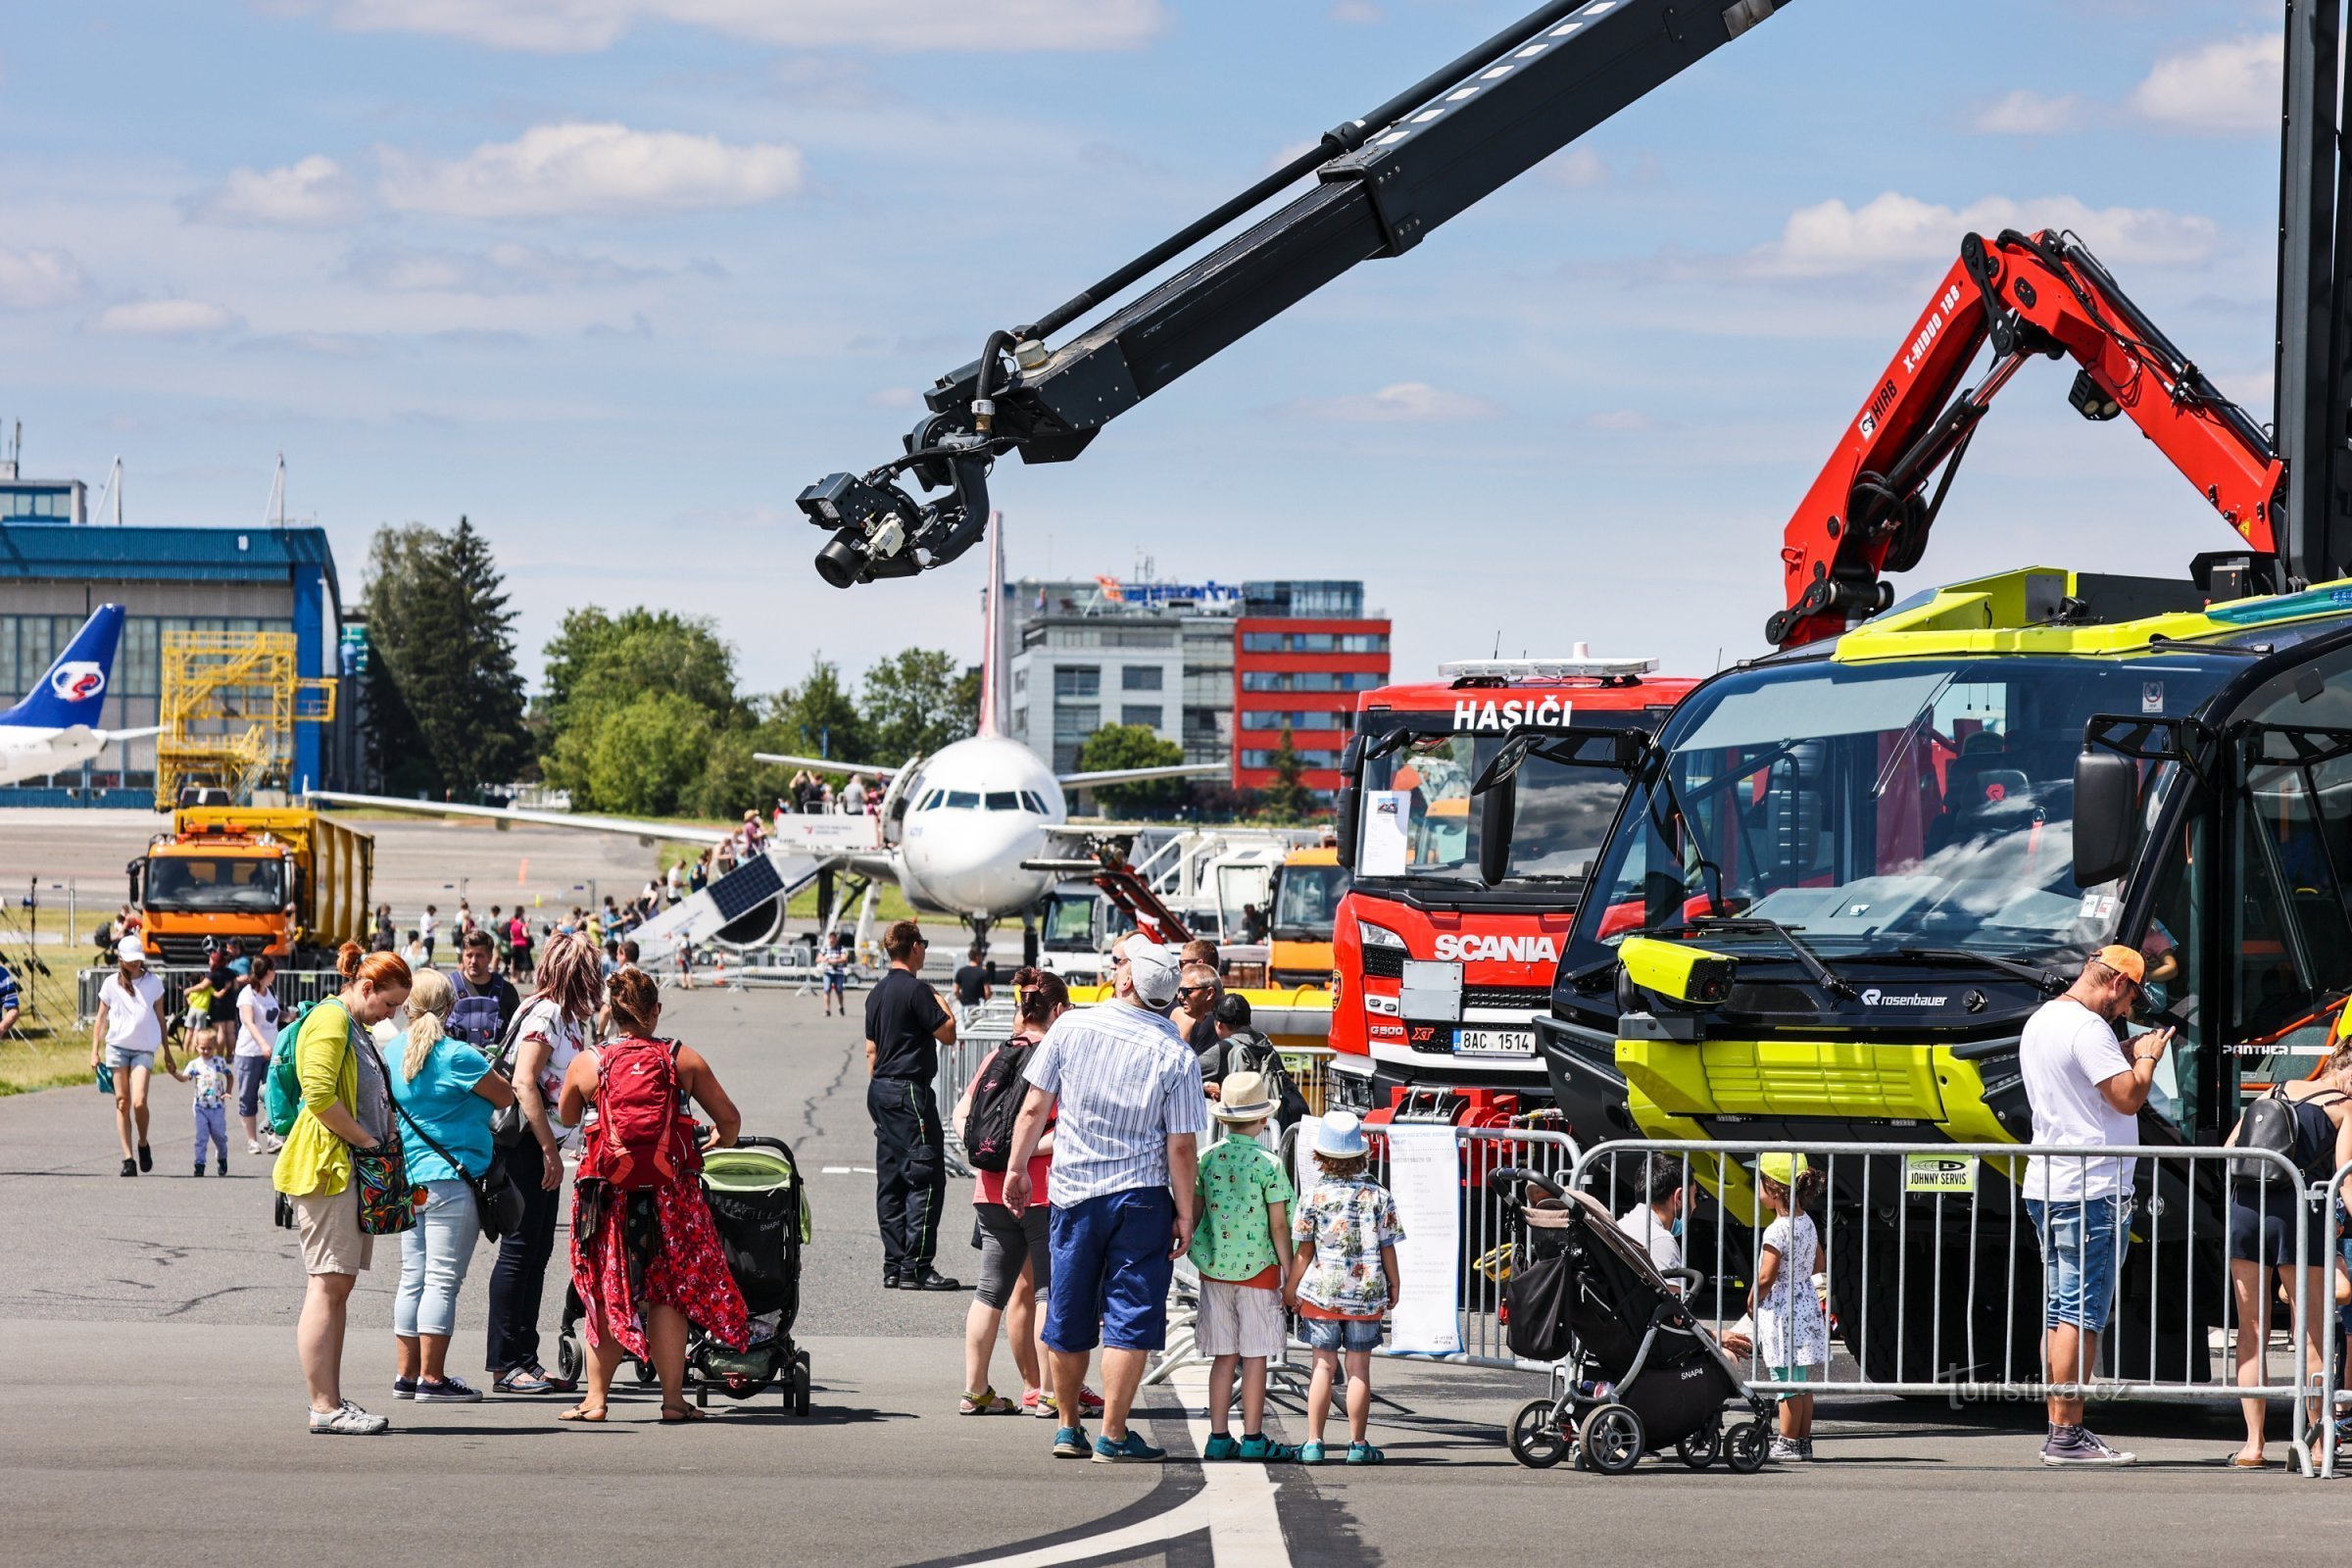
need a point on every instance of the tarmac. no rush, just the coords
(152, 1411)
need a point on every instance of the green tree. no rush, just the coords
(910, 704)
(1119, 746)
(817, 718)
(601, 671)
(647, 753)
(1287, 799)
(445, 700)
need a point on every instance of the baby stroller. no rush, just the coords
(1636, 1373)
(759, 1205)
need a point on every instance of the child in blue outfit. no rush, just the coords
(208, 1072)
(1343, 1278)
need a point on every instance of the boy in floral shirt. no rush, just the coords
(1242, 1247)
(1346, 1282)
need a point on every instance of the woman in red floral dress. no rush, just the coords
(645, 1255)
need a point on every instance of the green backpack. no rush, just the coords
(281, 1090)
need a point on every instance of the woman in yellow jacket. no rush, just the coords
(344, 1108)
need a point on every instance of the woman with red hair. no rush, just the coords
(345, 1112)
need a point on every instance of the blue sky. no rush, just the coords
(617, 277)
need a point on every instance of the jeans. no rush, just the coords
(433, 1254)
(519, 1276)
(211, 1122)
(2082, 1251)
(252, 1073)
(911, 1171)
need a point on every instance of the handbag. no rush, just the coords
(497, 1200)
(509, 1127)
(388, 1199)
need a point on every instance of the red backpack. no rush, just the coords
(640, 1140)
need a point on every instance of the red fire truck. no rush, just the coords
(1474, 808)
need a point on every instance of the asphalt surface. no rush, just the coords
(152, 1411)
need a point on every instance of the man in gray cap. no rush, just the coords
(1123, 1092)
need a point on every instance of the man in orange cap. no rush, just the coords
(2086, 1090)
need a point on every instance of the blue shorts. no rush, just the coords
(836, 980)
(1355, 1335)
(2082, 1250)
(1111, 1271)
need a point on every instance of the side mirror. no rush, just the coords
(2106, 817)
(1497, 810)
(1344, 803)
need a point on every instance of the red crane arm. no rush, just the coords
(1869, 512)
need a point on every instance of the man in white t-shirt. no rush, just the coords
(1657, 1222)
(2086, 1089)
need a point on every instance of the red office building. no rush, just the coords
(1302, 652)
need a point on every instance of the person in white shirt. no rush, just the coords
(429, 928)
(1657, 1222)
(2086, 1089)
(257, 1037)
(129, 1030)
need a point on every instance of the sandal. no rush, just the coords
(678, 1415)
(2239, 1461)
(988, 1401)
(582, 1412)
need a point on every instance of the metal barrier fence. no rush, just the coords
(294, 988)
(2337, 1273)
(978, 1031)
(1931, 1269)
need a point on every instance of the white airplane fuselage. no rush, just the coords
(975, 810)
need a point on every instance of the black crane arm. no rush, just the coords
(1383, 183)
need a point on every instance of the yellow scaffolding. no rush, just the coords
(231, 701)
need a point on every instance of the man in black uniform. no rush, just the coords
(904, 1027)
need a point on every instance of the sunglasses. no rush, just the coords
(1192, 991)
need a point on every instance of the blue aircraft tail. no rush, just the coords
(74, 691)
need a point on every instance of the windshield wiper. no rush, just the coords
(2050, 985)
(1813, 963)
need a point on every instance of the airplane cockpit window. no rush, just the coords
(1035, 802)
(931, 799)
(1004, 800)
(968, 800)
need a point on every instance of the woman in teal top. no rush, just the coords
(447, 1094)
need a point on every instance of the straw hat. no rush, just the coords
(1247, 1098)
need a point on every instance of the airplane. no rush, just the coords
(51, 730)
(979, 829)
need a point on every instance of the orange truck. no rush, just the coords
(1308, 886)
(284, 880)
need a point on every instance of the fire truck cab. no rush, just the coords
(1472, 809)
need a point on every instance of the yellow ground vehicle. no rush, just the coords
(285, 880)
(1308, 890)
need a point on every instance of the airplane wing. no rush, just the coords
(1137, 775)
(116, 737)
(644, 832)
(824, 764)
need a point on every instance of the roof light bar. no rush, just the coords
(1582, 665)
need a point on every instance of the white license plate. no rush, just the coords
(1494, 1042)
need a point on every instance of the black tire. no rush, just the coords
(1747, 1447)
(1536, 1440)
(800, 1386)
(645, 1374)
(1610, 1439)
(701, 1397)
(1701, 1449)
(570, 1361)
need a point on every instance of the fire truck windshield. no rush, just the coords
(1920, 806)
(197, 884)
(1418, 821)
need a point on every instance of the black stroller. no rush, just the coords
(760, 1206)
(1639, 1374)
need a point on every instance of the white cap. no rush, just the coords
(1154, 971)
(130, 950)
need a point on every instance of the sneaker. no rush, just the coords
(252, 1146)
(1089, 1401)
(1266, 1450)
(404, 1387)
(130, 1167)
(271, 1143)
(146, 1158)
(1222, 1447)
(1804, 1450)
(447, 1391)
(347, 1422)
(223, 1168)
(1130, 1450)
(1310, 1452)
(1364, 1453)
(200, 1170)
(1784, 1451)
(1069, 1442)
(2080, 1445)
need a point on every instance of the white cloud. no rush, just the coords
(1833, 239)
(312, 193)
(1406, 402)
(165, 319)
(36, 279)
(504, 268)
(2217, 89)
(1576, 168)
(553, 169)
(567, 27)
(2025, 113)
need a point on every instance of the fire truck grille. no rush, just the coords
(1383, 963)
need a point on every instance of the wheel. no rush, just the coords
(645, 1374)
(569, 1361)
(1748, 1445)
(1539, 1440)
(1611, 1439)
(1703, 1447)
(800, 1386)
(701, 1397)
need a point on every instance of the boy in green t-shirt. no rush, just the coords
(1242, 1248)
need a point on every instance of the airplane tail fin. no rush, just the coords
(993, 612)
(74, 690)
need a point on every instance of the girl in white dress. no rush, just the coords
(1792, 1332)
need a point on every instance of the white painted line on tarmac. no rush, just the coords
(845, 1170)
(1187, 1517)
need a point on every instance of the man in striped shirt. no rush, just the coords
(1123, 1092)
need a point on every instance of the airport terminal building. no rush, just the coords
(1219, 668)
(55, 569)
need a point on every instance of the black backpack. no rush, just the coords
(997, 1098)
(2280, 1125)
(1249, 1050)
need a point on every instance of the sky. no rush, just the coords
(617, 279)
